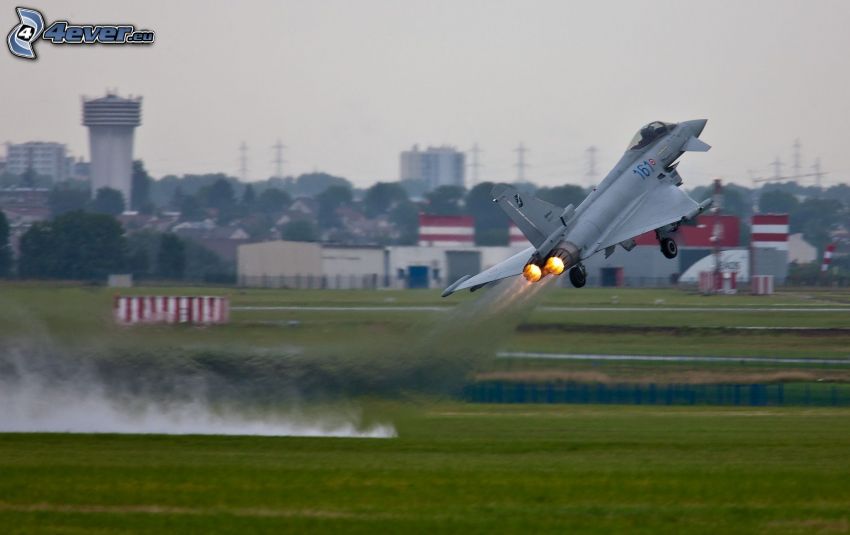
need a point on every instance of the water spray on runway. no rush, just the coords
(131, 386)
(41, 393)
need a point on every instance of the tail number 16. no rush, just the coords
(643, 169)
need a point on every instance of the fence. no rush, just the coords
(130, 310)
(777, 394)
(629, 282)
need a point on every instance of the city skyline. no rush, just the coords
(347, 87)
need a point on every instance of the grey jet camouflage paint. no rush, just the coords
(640, 194)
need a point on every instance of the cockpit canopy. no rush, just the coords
(649, 133)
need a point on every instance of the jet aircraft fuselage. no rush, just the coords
(639, 194)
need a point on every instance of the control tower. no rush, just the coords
(111, 120)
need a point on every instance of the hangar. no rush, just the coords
(446, 251)
(290, 264)
(287, 264)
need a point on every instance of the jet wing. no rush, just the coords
(504, 269)
(658, 207)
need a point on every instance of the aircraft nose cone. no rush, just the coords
(697, 126)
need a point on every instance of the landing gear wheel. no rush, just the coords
(669, 248)
(578, 276)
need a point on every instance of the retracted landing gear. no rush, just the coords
(669, 247)
(578, 276)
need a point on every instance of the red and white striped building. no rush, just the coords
(827, 257)
(516, 237)
(203, 310)
(446, 231)
(769, 246)
(770, 231)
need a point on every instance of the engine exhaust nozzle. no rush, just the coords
(532, 272)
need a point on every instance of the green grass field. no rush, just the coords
(621, 321)
(78, 314)
(79, 317)
(453, 468)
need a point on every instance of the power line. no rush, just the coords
(591, 161)
(475, 164)
(243, 162)
(278, 158)
(520, 162)
(818, 174)
(796, 166)
(777, 168)
(797, 146)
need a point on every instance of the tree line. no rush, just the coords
(89, 246)
(258, 208)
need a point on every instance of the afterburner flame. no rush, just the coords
(554, 265)
(532, 272)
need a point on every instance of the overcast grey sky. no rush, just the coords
(348, 84)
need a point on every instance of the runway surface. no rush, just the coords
(335, 308)
(440, 308)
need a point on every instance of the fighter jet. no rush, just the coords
(640, 194)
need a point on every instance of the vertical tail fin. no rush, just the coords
(535, 217)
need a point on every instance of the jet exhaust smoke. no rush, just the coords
(39, 393)
(129, 386)
(473, 331)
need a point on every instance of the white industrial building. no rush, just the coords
(801, 251)
(437, 267)
(285, 264)
(288, 264)
(446, 252)
(353, 267)
(735, 260)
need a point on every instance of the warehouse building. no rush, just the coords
(288, 264)
(646, 266)
(437, 267)
(769, 246)
(285, 264)
(800, 251)
(447, 252)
